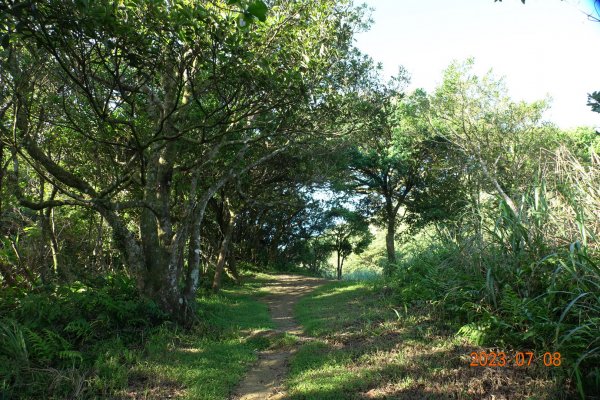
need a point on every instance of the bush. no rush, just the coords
(529, 280)
(58, 341)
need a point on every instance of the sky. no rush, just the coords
(542, 48)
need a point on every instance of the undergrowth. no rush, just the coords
(100, 339)
(366, 346)
(512, 287)
(62, 341)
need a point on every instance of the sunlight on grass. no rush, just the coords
(344, 287)
(319, 373)
(209, 361)
(366, 350)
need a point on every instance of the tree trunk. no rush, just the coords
(57, 265)
(192, 278)
(98, 253)
(127, 245)
(391, 232)
(224, 249)
(46, 218)
(339, 267)
(231, 265)
(162, 247)
(194, 252)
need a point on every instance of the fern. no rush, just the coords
(473, 332)
(81, 328)
(70, 355)
(47, 345)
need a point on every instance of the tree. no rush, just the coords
(594, 101)
(501, 137)
(386, 155)
(349, 234)
(162, 104)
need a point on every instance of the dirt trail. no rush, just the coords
(264, 380)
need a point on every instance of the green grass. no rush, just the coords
(333, 307)
(208, 361)
(318, 373)
(85, 342)
(319, 370)
(366, 346)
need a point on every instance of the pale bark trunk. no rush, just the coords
(194, 253)
(193, 272)
(54, 242)
(192, 278)
(232, 265)
(391, 232)
(224, 249)
(98, 252)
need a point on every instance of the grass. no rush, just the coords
(85, 342)
(366, 347)
(207, 362)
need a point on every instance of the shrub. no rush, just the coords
(529, 279)
(58, 341)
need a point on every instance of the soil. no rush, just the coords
(264, 380)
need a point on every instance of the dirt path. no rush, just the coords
(264, 380)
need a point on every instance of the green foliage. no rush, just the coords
(594, 101)
(111, 303)
(258, 9)
(14, 355)
(133, 118)
(90, 341)
(350, 233)
(54, 336)
(516, 267)
(188, 99)
(362, 275)
(316, 253)
(371, 259)
(517, 293)
(583, 142)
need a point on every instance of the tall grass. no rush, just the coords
(529, 279)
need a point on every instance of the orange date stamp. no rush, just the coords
(518, 359)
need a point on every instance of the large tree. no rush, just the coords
(389, 157)
(501, 138)
(160, 105)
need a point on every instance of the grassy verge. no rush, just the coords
(366, 347)
(208, 361)
(83, 342)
